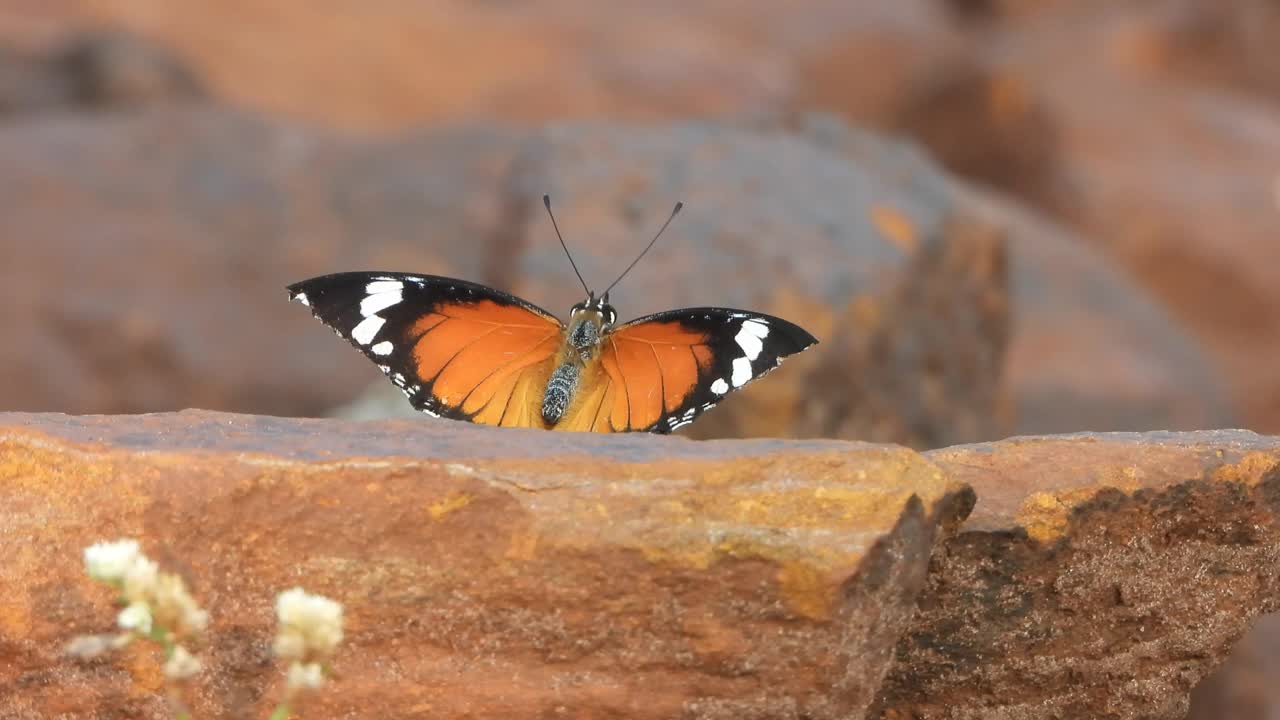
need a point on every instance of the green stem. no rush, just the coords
(281, 712)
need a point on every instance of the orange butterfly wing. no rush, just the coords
(456, 349)
(660, 372)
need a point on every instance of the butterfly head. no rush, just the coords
(597, 309)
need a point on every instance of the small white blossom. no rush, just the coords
(181, 664)
(87, 647)
(305, 675)
(175, 608)
(310, 625)
(110, 561)
(140, 579)
(136, 617)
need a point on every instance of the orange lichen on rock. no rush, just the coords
(500, 573)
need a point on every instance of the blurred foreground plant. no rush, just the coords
(156, 606)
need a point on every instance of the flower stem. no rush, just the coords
(281, 712)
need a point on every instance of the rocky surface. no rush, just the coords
(92, 71)
(231, 209)
(1149, 126)
(1168, 140)
(532, 574)
(172, 227)
(485, 573)
(1069, 304)
(1091, 578)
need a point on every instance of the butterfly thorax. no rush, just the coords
(588, 323)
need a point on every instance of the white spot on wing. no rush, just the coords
(749, 343)
(741, 370)
(383, 348)
(382, 285)
(381, 301)
(367, 329)
(719, 387)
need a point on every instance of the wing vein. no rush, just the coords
(662, 384)
(495, 371)
(453, 357)
(623, 378)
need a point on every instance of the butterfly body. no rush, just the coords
(468, 352)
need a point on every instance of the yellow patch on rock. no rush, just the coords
(455, 501)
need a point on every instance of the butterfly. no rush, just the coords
(465, 351)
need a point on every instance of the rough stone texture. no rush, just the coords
(527, 574)
(1099, 576)
(92, 71)
(485, 573)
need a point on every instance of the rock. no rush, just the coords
(485, 573)
(396, 65)
(1098, 576)
(151, 252)
(849, 235)
(531, 574)
(859, 246)
(1144, 369)
(95, 70)
(1174, 178)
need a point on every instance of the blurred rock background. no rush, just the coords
(1000, 216)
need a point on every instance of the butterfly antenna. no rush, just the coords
(546, 202)
(674, 211)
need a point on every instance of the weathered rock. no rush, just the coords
(860, 247)
(485, 573)
(1098, 576)
(389, 64)
(1176, 180)
(1143, 369)
(93, 71)
(148, 253)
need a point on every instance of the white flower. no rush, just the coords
(310, 625)
(87, 647)
(181, 664)
(110, 561)
(136, 618)
(140, 579)
(175, 608)
(305, 675)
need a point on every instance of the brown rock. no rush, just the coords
(485, 573)
(1098, 576)
(849, 235)
(148, 253)
(859, 246)
(388, 64)
(93, 71)
(1177, 182)
(1087, 348)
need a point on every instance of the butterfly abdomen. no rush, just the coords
(559, 393)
